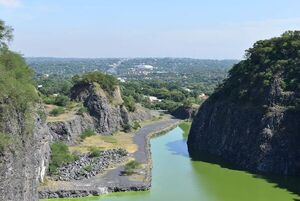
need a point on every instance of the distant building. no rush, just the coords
(40, 86)
(121, 79)
(187, 89)
(203, 96)
(153, 99)
(143, 66)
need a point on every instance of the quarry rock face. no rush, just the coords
(24, 162)
(252, 121)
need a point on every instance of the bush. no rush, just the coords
(136, 125)
(57, 111)
(129, 103)
(95, 152)
(87, 133)
(88, 168)
(130, 167)
(60, 155)
(107, 82)
(61, 100)
(82, 110)
(127, 128)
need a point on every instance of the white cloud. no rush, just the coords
(10, 3)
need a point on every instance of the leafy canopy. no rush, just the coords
(107, 82)
(5, 34)
(267, 60)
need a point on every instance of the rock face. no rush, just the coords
(69, 130)
(183, 112)
(253, 122)
(107, 111)
(24, 162)
(90, 165)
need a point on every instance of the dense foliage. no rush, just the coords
(54, 84)
(170, 95)
(60, 155)
(267, 61)
(5, 34)
(17, 92)
(16, 83)
(107, 82)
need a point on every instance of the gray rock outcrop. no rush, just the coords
(252, 120)
(24, 162)
(107, 111)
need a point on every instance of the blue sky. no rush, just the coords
(212, 29)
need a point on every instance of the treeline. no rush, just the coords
(268, 61)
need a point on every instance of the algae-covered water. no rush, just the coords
(177, 178)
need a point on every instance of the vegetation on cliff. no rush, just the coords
(107, 82)
(277, 58)
(17, 92)
(252, 120)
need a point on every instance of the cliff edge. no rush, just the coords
(252, 119)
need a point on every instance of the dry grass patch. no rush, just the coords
(70, 112)
(119, 140)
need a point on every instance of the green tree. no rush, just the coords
(5, 34)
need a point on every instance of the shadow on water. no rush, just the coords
(290, 183)
(178, 148)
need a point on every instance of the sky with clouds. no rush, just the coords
(215, 29)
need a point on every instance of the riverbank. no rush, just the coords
(113, 180)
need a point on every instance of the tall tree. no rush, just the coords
(5, 34)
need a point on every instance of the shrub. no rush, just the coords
(95, 152)
(82, 110)
(87, 133)
(136, 125)
(129, 103)
(60, 155)
(61, 100)
(131, 166)
(107, 82)
(57, 111)
(127, 128)
(88, 168)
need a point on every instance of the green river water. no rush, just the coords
(177, 178)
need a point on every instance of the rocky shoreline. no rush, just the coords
(112, 180)
(89, 165)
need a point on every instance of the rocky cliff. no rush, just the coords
(24, 136)
(24, 159)
(185, 112)
(252, 120)
(106, 109)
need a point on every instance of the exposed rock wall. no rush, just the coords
(185, 112)
(69, 130)
(259, 137)
(107, 111)
(24, 162)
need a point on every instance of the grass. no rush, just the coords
(70, 111)
(60, 155)
(57, 111)
(87, 133)
(118, 140)
(95, 152)
(185, 126)
(131, 167)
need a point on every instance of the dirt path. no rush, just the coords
(112, 180)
